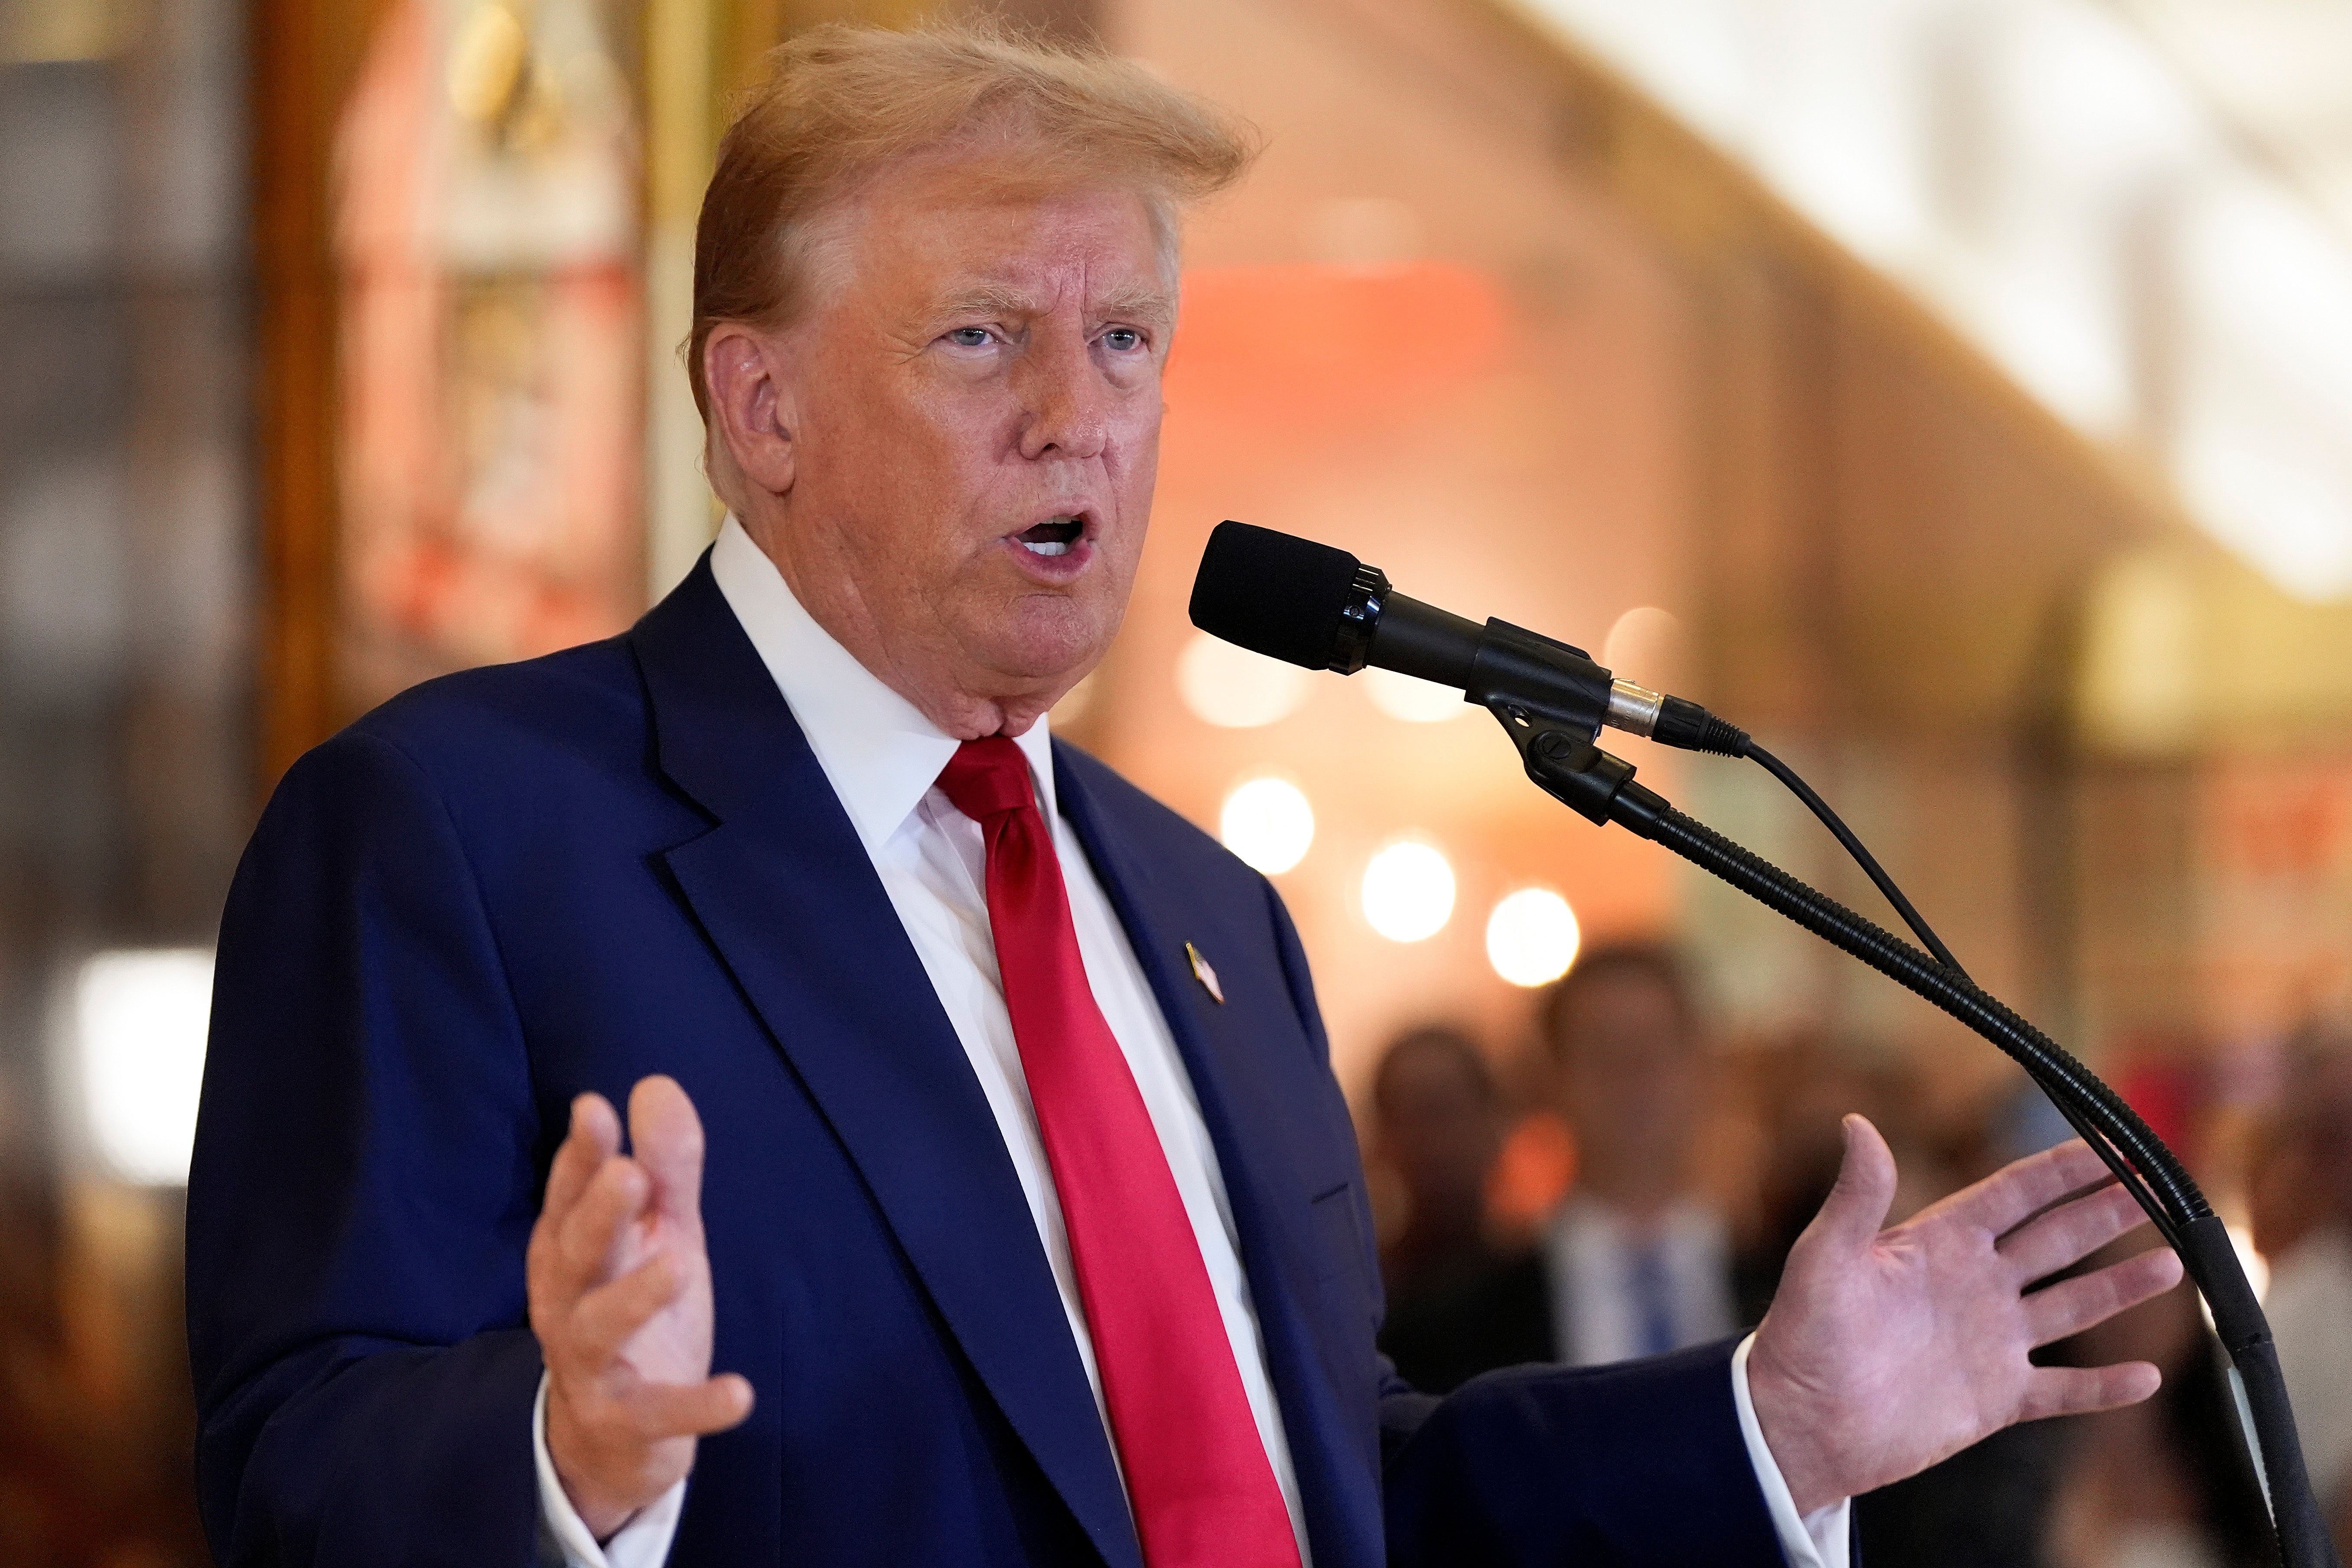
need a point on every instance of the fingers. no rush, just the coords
(588, 1240)
(2073, 1305)
(2080, 1390)
(1855, 1211)
(693, 1410)
(665, 1137)
(649, 1413)
(2067, 1235)
(609, 1314)
(593, 1191)
(594, 1138)
(2017, 1191)
(608, 1444)
(620, 1300)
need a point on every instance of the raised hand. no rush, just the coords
(620, 1298)
(1886, 1351)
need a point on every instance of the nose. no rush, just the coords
(1065, 401)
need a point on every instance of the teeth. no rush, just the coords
(1072, 526)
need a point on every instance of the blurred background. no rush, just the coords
(1957, 393)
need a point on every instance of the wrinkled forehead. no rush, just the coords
(991, 220)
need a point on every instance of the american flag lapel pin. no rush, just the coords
(1204, 974)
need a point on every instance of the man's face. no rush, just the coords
(1630, 1076)
(1438, 1127)
(974, 415)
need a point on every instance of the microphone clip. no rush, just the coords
(1546, 681)
(1566, 765)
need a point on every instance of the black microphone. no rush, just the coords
(1308, 604)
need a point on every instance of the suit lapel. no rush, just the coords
(1242, 1101)
(785, 892)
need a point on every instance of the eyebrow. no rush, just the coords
(1156, 305)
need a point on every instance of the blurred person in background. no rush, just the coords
(1437, 1130)
(1812, 1084)
(1438, 1122)
(1636, 1261)
(2300, 1185)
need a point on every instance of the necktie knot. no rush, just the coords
(986, 778)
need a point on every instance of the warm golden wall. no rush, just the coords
(1408, 335)
(1887, 560)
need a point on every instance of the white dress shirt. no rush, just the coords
(1588, 1255)
(883, 759)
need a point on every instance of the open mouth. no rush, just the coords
(1051, 537)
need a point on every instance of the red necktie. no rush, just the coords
(1197, 1474)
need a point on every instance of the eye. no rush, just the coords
(1122, 340)
(968, 337)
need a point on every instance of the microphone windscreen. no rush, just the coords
(1272, 593)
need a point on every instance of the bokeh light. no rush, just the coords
(141, 1017)
(1235, 689)
(1532, 937)
(1644, 645)
(1407, 892)
(1414, 702)
(1268, 822)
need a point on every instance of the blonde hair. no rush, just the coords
(841, 104)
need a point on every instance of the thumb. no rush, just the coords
(1855, 1210)
(665, 1137)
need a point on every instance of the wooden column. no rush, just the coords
(305, 55)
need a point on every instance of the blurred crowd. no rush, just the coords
(1623, 1183)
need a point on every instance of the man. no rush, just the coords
(1437, 1131)
(1635, 1262)
(978, 1123)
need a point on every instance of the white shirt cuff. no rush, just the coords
(1821, 1539)
(564, 1539)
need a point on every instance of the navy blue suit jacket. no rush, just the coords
(513, 885)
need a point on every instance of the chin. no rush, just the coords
(1046, 645)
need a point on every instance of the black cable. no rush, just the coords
(2172, 1190)
(1744, 745)
(1683, 723)
(2172, 1198)
(2204, 1246)
(2126, 1177)
(1862, 858)
(1686, 724)
(1602, 788)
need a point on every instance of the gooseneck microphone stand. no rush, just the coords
(1320, 607)
(1562, 760)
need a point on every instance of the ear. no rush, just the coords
(745, 372)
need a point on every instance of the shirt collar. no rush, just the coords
(879, 750)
